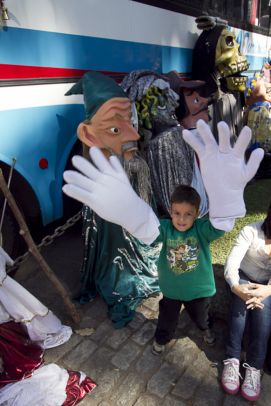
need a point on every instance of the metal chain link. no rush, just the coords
(48, 239)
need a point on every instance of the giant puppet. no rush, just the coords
(258, 116)
(165, 105)
(27, 328)
(117, 266)
(217, 60)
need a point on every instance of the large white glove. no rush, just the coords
(4, 261)
(106, 190)
(224, 171)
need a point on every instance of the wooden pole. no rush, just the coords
(24, 231)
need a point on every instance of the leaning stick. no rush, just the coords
(24, 231)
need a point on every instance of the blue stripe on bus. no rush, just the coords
(48, 49)
(52, 132)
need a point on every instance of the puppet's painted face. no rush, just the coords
(266, 72)
(197, 107)
(229, 61)
(259, 91)
(111, 128)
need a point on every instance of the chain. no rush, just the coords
(48, 239)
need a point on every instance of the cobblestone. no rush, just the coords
(128, 391)
(183, 353)
(148, 363)
(118, 337)
(54, 354)
(169, 401)
(209, 393)
(121, 361)
(102, 332)
(147, 401)
(162, 382)
(79, 354)
(144, 334)
(234, 401)
(190, 380)
(107, 382)
(126, 355)
(96, 365)
(137, 321)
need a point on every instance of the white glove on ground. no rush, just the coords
(106, 189)
(224, 171)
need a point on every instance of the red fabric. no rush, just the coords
(19, 355)
(77, 391)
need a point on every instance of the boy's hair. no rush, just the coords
(266, 226)
(187, 194)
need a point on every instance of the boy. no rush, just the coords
(106, 189)
(188, 279)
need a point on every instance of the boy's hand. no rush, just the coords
(106, 189)
(224, 171)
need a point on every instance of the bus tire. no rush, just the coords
(10, 239)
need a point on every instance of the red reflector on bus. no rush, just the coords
(43, 163)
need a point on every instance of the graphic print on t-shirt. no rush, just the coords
(182, 255)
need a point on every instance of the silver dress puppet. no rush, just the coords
(170, 159)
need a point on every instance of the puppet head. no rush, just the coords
(229, 62)
(156, 111)
(257, 90)
(217, 59)
(258, 100)
(266, 72)
(155, 103)
(108, 123)
(191, 105)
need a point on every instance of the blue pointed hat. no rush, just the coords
(97, 89)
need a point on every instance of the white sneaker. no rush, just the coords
(157, 349)
(230, 379)
(251, 387)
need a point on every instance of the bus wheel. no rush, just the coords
(10, 239)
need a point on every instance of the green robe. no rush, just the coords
(121, 269)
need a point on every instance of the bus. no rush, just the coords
(47, 45)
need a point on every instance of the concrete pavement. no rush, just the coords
(120, 361)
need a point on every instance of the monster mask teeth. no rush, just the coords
(236, 83)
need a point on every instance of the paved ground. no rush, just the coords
(120, 361)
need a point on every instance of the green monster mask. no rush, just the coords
(217, 59)
(229, 62)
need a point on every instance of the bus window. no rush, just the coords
(265, 10)
(235, 10)
(258, 13)
(215, 7)
(197, 4)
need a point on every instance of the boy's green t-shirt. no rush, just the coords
(185, 265)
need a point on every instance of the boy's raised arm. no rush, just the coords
(106, 189)
(224, 170)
